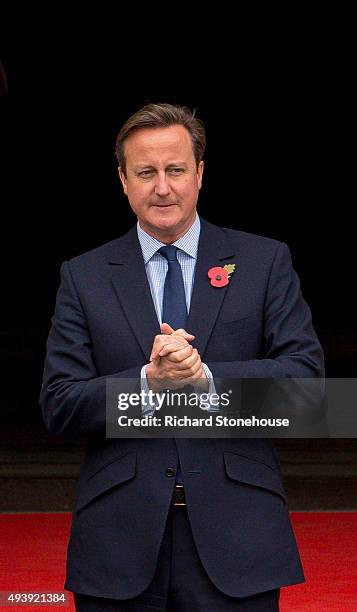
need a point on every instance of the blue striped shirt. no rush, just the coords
(156, 265)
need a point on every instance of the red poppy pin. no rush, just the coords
(220, 277)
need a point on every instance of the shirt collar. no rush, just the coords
(187, 243)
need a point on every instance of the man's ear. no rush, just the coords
(200, 173)
(123, 180)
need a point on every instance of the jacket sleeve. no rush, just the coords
(73, 396)
(290, 346)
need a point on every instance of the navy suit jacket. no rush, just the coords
(258, 326)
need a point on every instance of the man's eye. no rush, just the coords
(145, 173)
(176, 170)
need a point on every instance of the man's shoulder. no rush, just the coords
(103, 254)
(244, 241)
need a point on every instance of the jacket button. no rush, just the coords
(170, 472)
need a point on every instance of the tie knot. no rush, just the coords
(169, 252)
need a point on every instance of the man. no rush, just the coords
(140, 540)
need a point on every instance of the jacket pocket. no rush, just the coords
(237, 327)
(115, 473)
(254, 473)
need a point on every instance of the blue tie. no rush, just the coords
(174, 309)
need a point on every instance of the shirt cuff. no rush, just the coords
(211, 387)
(149, 409)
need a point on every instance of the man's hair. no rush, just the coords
(160, 116)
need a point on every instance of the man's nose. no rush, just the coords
(162, 186)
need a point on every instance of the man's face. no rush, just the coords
(162, 181)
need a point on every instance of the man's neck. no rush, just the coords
(167, 238)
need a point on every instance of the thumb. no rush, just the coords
(166, 328)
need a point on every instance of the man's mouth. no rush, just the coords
(163, 205)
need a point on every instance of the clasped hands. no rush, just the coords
(174, 362)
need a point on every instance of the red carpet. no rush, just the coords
(328, 548)
(33, 552)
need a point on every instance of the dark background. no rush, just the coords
(278, 163)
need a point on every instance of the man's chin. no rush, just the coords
(167, 226)
(166, 220)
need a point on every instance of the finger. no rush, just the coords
(183, 333)
(176, 353)
(155, 360)
(167, 349)
(180, 357)
(192, 371)
(167, 329)
(189, 362)
(161, 340)
(173, 343)
(188, 373)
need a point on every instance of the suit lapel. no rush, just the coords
(133, 291)
(213, 250)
